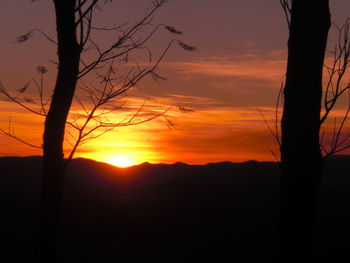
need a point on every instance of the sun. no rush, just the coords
(121, 161)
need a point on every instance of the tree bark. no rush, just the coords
(301, 159)
(53, 156)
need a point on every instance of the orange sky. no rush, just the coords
(238, 67)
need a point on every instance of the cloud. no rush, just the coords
(229, 80)
(244, 66)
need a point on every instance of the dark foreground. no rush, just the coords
(224, 212)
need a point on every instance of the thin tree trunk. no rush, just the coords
(301, 159)
(53, 157)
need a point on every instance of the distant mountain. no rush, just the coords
(219, 212)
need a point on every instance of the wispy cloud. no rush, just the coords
(271, 67)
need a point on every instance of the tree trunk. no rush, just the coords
(53, 157)
(301, 159)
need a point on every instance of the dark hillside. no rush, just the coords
(221, 212)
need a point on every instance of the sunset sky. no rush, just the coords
(237, 68)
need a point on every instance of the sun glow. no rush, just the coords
(121, 161)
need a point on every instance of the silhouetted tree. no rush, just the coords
(73, 21)
(74, 26)
(334, 89)
(301, 158)
(68, 50)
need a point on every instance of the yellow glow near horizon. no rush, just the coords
(121, 161)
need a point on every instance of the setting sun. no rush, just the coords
(121, 161)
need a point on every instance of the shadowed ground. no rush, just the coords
(166, 213)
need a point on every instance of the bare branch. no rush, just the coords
(268, 125)
(287, 9)
(28, 35)
(11, 135)
(275, 130)
(125, 43)
(334, 89)
(15, 100)
(83, 14)
(97, 101)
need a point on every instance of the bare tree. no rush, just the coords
(301, 158)
(330, 142)
(334, 89)
(75, 27)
